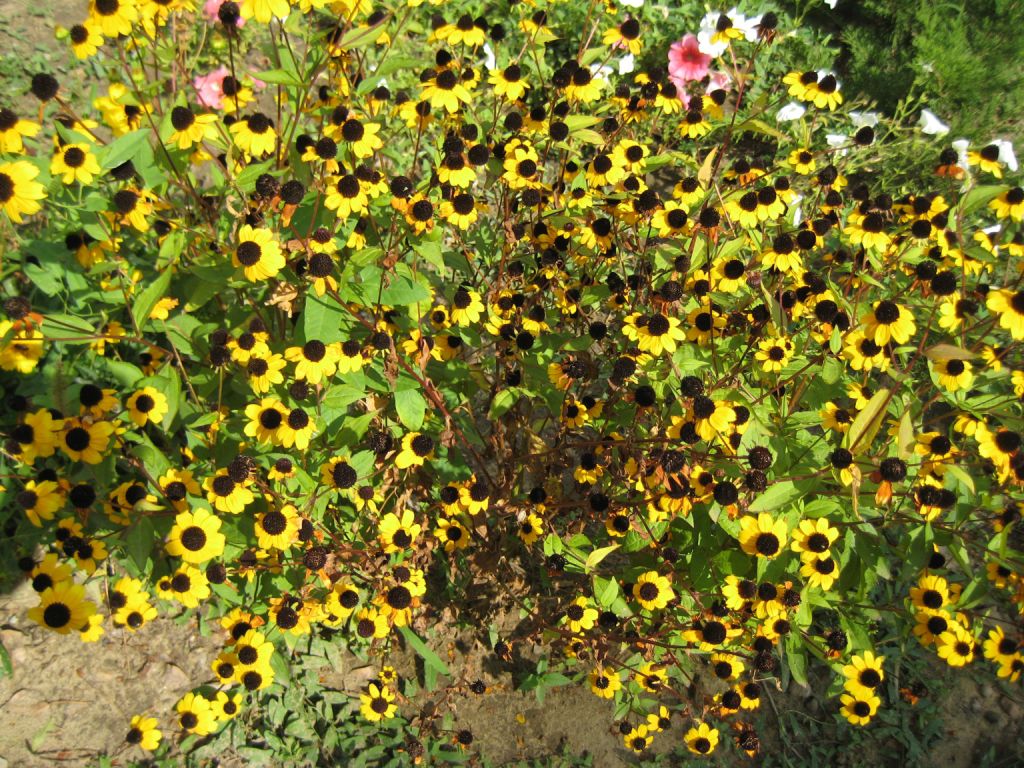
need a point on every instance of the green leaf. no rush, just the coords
(978, 197)
(123, 148)
(411, 407)
(595, 557)
(68, 329)
(403, 292)
(149, 297)
(864, 428)
(5, 662)
(430, 658)
(775, 497)
(322, 319)
(605, 591)
(504, 400)
(796, 659)
(139, 541)
(280, 77)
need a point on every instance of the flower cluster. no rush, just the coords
(437, 301)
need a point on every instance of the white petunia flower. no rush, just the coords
(489, 60)
(961, 145)
(864, 119)
(836, 140)
(1006, 155)
(792, 111)
(931, 124)
(632, 3)
(832, 3)
(627, 64)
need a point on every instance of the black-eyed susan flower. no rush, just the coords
(147, 405)
(416, 449)
(701, 739)
(638, 738)
(814, 536)
(143, 733)
(371, 624)
(864, 671)
(1009, 305)
(604, 682)
(196, 715)
(774, 353)
(956, 645)
(1005, 652)
(933, 593)
(13, 130)
(225, 494)
(278, 528)
(297, 429)
(886, 321)
(258, 253)
(859, 706)
(40, 500)
(195, 536)
(187, 585)
(190, 128)
(85, 441)
(398, 533)
(954, 375)
(452, 534)
(1009, 205)
(763, 535)
(75, 162)
(529, 528)
(262, 373)
(265, 420)
(509, 83)
(580, 615)
(113, 17)
(653, 591)
(62, 608)
(19, 195)
(49, 572)
(868, 230)
(37, 436)
(254, 135)
(377, 703)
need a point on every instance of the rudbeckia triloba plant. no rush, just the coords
(376, 309)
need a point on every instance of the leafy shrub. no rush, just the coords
(952, 54)
(343, 325)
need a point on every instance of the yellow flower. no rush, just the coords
(859, 706)
(85, 39)
(604, 682)
(144, 733)
(254, 134)
(190, 128)
(195, 715)
(378, 703)
(398, 533)
(19, 194)
(12, 130)
(702, 739)
(762, 536)
(146, 406)
(653, 591)
(62, 608)
(75, 163)
(416, 449)
(195, 536)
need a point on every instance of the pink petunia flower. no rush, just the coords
(685, 61)
(210, 87)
